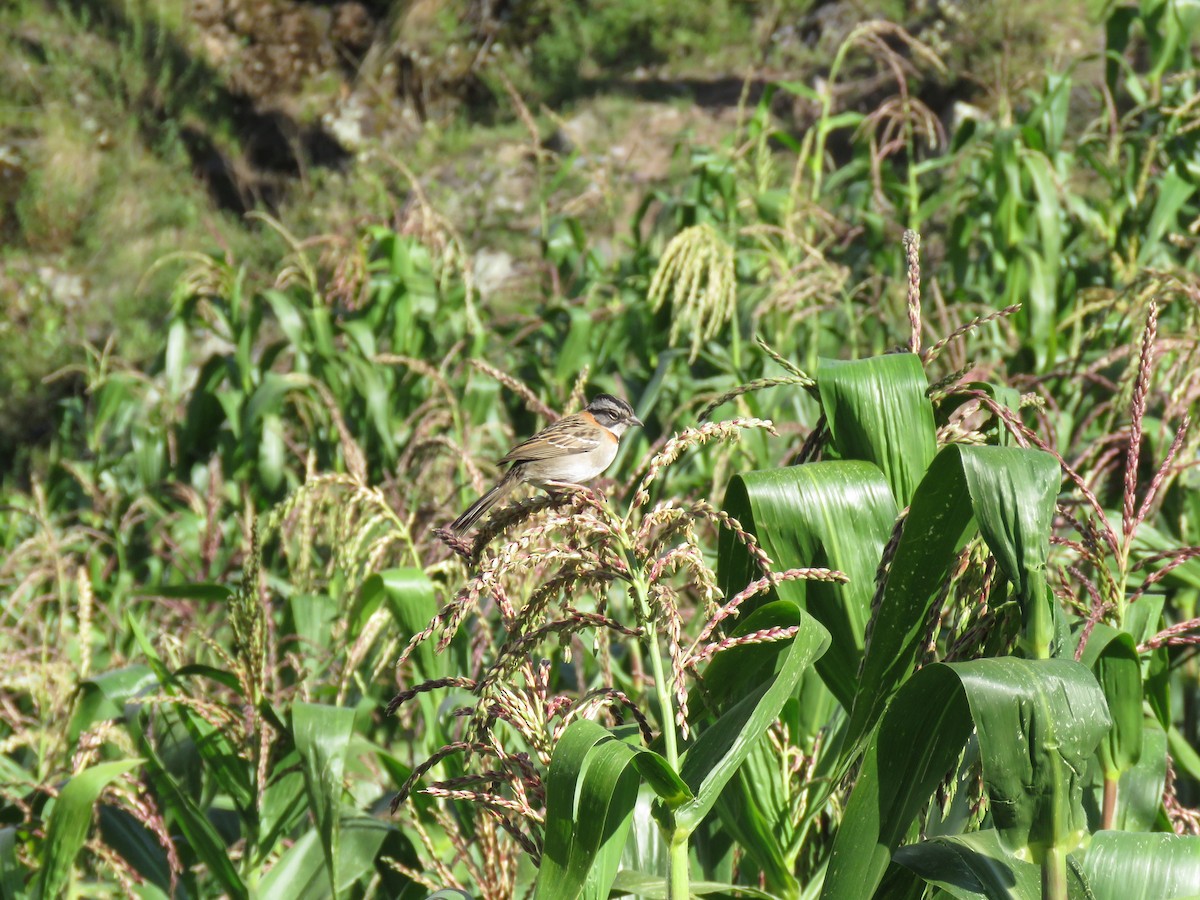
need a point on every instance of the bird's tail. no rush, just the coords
(484, 503)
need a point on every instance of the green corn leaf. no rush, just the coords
(977, 867)
(409, 596)
(1174, 190)
(833, 514)
(654, 887)
(935, 530)
(1140, 790)
(322, 736)
(197, 830)
(917, 742)
(272, 462)
(878, 411)
(302, 873)
(268, 398)
(1038, 722)
(221, 757)
(757, 812)
(175, 357)
(645, 847)
(136, 844)
(591, 790)
(1009, 490)
(1012, 494)
(289, 315)
(1043, 256)
(752, 807)
(103, 697)
(1125, 866)
(735, 672)
(12, 873)
(723, 746)
(284, 804)
(70, 820)
(1113, 658)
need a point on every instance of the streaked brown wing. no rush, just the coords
(566, 437)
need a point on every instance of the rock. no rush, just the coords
(580, 133)
(493, 270)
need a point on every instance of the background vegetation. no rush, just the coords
(895, 591)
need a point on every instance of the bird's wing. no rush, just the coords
(566, 437)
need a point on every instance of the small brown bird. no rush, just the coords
(573, 450)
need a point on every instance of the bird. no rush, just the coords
(573, 450)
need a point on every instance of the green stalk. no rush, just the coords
(678, 883)
(1109, 815)
(663, 690)
(1054, 875)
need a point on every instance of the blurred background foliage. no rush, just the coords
(280, 280)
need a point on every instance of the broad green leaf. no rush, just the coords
(268, 397)
(289, 316)
(272, 453)
(1157, 686)
(1140, 790)
(735, 672)
(591, 790)
(175, 357)
(878, 411)
(70, 819)
(221, 757)
(1038, 722)
(284, 803)
(723, 746)
(645, 847)
(1125, 866)
(313, 618)
(133, 841)
(1044, 252)
(12, 873)
(197, 830)
(937, 527)
(322, 736)
(754, 813)
(1113, 658)
(409, 596)
(1174, 190)
(833, 514)
(220, 676)
(976, 867)
(302, 874)
(103, 697)
(757, 812)
(654, 887)
(661, 778)
(1009, 490)
(1013, 492)
(917, 743)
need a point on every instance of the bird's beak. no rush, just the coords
(638, 422)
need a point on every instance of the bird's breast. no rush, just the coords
(577, 468)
